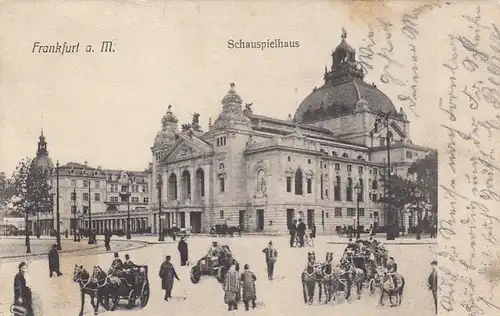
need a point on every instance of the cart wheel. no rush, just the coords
(372, 286)
(195, 274)
(145, 294)
(310, 241)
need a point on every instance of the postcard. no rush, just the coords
(260, 157)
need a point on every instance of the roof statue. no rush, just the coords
(232, 85)
(344, 34)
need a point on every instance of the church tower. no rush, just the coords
(42, 158)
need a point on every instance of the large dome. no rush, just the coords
(340, 98)
(344, 90)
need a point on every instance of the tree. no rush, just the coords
(425, 170)
(32, 183)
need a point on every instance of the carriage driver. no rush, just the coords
(117, 263)
(392, 269)
(128, 265)
(215, 250)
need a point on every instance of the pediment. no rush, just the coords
(186, 149)
(395, 127)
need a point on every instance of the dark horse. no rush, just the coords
(108, 288)
(387, 286)
(87, 287)
(329, 279)
(311, 276)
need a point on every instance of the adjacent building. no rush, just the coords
(261, 173)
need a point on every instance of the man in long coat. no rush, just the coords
(22, 293)
(433, 283)
(293, 230)
(231, 288)
(107, 239)
(248, 281)
(167, 274)
(183, 251)
(301, 231)
(54, 261)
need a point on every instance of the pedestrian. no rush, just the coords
(167, 274)
(313, 230)
(432, 282)
(271, 257)
(293, 230)
(183, 251)
(107, 239)
(248, 279)
(22, 293)
(54, 261)
(231, 288)
(301, 231)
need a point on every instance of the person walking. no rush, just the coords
(167, 274)
(432, 282)
(54, 261)
(301, 231)
(293, 230)
(183, 251)
(248, 279)
(107, 239)
(22, 293)
(271, 257)
(231, 288)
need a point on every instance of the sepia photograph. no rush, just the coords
(225, 157)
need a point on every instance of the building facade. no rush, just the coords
(103, 195)
(261, 173)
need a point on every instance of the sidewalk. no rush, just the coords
(402, 240)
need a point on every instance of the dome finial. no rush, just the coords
(344, 34)
(169, 106)
(232, 85)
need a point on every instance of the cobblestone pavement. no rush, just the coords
(60, 296)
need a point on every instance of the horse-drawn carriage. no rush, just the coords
(216, 266)
(133, 285)
(224, 230)
(368, 278)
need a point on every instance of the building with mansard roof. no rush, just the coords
(261, 173)
(99, 192)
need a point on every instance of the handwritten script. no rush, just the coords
(468, 219)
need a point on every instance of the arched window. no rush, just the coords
(337, 188)
(349, 189)
(334, 153)
(261, 181)
(200, 182)
(186, 184)
(374, 184)
(360, 157)
(344, 155)
(221, 166)
(298, 182)
(172, 187)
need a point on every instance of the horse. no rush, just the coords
(311, 276)
(108, 288)
(355, 277)
(329, 279)
(386, 285)
(88, 287)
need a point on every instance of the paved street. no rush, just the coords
(60, 296)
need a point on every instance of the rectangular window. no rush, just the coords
(145, 188)
(114, 199)
(288, 184)
(351, 211)
(135, 199)
(375, 171)
(123, 198)
(85, 184)
(221, 214)
(222, 184)
(289, 158)
(124, 188)
(146, 200)
(374, 197)
(309, 161)
(85, 209)
(349, 168)
(85, 197)
(338, 212)
(326, 193)
(97, 197)
(360, 170)
(409, 154)
(309, 186)
(97, 184)
(337, 167)
(361, 212)
(73, 183)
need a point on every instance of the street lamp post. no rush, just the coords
(159, 186)
(126, 194)
(58, 216)
(418, 195)
(357, 190)
(27, 241)
(383, 120)
(73, 197)
(91, 231)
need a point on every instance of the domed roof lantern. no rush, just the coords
(166, 136)
(169, 117)
(344, 52)
(231, 96)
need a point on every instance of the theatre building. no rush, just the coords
(261, 172)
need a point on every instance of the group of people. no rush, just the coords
(298, 229)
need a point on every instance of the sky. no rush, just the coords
(106, 108)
